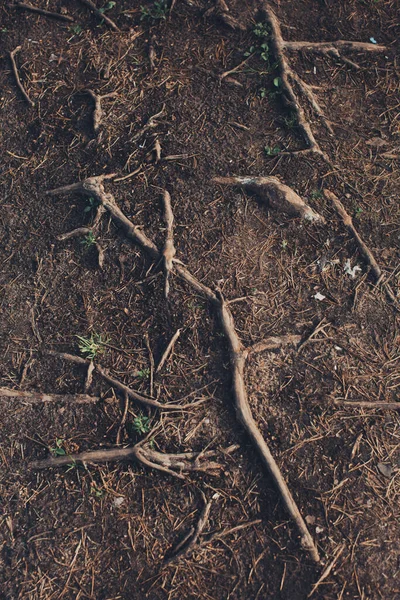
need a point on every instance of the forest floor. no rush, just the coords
(102, 532)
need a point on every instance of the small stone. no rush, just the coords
(385, 469)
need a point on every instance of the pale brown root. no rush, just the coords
(123, 420)
(348, 223)
(188, 544)
(221, 9)
(98, 111)
(168, 350)
(37, 397)
(309, 94)
(157, 150)
(152, 53)
(16, 75)
(278, 195)
(172, 464)
(151, 123)
(132, 174)
(339, 45)
(41, 11)
(99, 14)
(121, 386)
(78, 232)
(169, 250)
(278, 45)
(366, 404)
(89, 376)
(238, 362)
(94, 187)
(151, 360)
(83, 231)
(235, 69)
(274, 343)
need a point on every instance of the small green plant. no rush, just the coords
(358, 211)
(96, 492)
(290, 121)
(158, 11)
(272, 150)
(107, 7)
(284, 244)
(316, 194)
(143, 373)
(277, 82)
(58, 449)
(261, 30)
(4, 30)
(261, 47)
(89, 240)
(141, 424)
(92, 203)
(76, 29)
(91, 346)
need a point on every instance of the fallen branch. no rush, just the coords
(16, 75)
(278, 195)
(365, 251)
(335, 49)
(169, 250)
(100, 14)
(37, 397)
(98, 111)
(93, 186)
(124, 389)
(168, 350)
(172, 464)
(45, 13)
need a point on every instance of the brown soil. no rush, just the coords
(102, 532)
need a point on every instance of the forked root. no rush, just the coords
(172, 464)
(98, 111)
(278, 195)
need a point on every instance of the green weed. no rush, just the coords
(157, 11)
(91, 346)
(89, 240)
(141, 424)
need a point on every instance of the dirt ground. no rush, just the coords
(102, 532)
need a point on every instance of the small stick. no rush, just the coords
(320, 327)
(218, 535)
(326, 572)
(16, 75)
(169, 250)
(123, 420)
(367, 404)
(278, 195)
(45, 13)
(122, 387)
(33, 397)
(186, 548)
(151, 360)
(168, 350)
(98, 111)
(99, 14)
(226, 73)
(152, 53)
(135, 172)
(273, 343)
(151, 123)
(89, 376)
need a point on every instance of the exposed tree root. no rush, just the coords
(124, 389)
(273, 343)
(98, 111)
(278, 195)
(367, 404)
(169, 248)
(279, 45)
(45, 13)
(99, 14)
(93, 186)
(172, 464)
(151, 123)
(187, 545)
(365, 251)
(84, 232)
(16, 75)
(221, 10)
(38, 397)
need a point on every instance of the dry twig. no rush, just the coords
(278, 195)
(100, 14)
(382, 405)
(45, 13)
(169, 250)
(124, 389)
(168, 350)
(37, 397)
(16, 75)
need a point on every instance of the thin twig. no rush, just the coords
(326, 572)
(169, 250)
(273, 343)
(100, 14)
(16, 75)
(218, 535)
(168, 350)
(367, 404)
(123, 420)
(45, 13)
(151, 361)
(37, 397)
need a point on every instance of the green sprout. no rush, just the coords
(141, 424)
(89, 240)
(58, 449)
(158, 11)
(91, 346)
(143, 373)
(272, 150)
(76, 29)
(316, 194)
(92, 203)
(107, 7)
